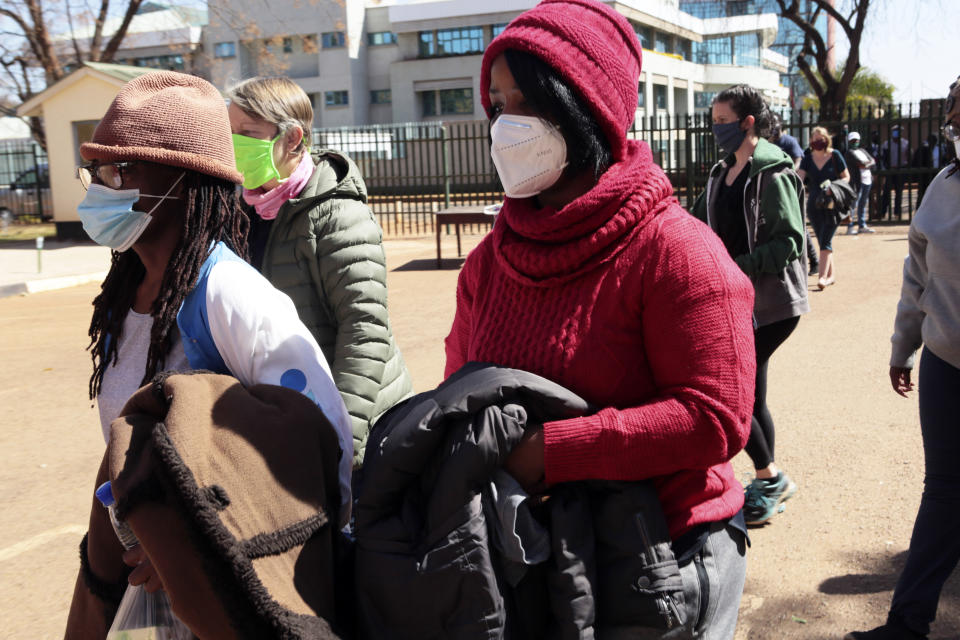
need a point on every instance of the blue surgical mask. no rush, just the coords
(108, 216)
(729, 136)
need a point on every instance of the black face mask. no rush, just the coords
(819, 145)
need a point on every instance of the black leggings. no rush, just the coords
(766, 339)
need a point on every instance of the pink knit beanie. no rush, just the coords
(168, 118)
(592, 46)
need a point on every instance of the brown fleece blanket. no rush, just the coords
(233, 495)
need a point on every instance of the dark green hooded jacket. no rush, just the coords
(773, 213)
(325, 251)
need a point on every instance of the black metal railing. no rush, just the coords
(412, 170)
(24, 182)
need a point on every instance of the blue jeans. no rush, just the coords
(859, 216)
(824, 225)
(712, 587)
(935, 544)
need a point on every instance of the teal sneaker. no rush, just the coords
(764, 496)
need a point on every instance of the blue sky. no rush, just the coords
(914, 44)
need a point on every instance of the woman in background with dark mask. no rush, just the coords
(752, 201)
(595, 278)
(822, 163)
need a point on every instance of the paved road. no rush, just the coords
(824, 566)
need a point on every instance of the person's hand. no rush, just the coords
(900, 380)
(143, 572)
(525, 462)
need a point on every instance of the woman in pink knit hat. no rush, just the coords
(595, 277)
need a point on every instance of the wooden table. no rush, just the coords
(457, 216)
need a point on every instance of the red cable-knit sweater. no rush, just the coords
(630, 302)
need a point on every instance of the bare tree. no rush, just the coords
(830, 85)
(30, 57)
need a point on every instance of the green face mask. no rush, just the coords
(255, 160)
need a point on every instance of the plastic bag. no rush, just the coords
(146, 616)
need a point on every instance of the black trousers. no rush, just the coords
(766, 339)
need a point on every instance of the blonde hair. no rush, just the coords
(277, 100)
(822, 131)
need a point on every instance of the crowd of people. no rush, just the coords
(632, 338)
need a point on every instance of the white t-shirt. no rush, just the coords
(121, 380)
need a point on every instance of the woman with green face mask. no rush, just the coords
(316, 205)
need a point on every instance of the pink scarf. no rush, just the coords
(268, 203)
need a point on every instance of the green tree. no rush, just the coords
(867, 89)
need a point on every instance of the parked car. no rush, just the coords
(25, 198)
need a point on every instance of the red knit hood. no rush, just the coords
(591, 46)
(545, 247)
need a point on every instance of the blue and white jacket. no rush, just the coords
(236, 323)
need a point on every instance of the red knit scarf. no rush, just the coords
(545, 247)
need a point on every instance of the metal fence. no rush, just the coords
(24, 182)
(413, 170)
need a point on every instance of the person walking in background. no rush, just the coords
(596, 279)
(928, 315)
(754, 202)
(861, 164)
(820, 166)
(927, 156)
(792, 148)
(314, 237)
(895, 155)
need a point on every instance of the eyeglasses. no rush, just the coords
(108, 173)
(951, 131)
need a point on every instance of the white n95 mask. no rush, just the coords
(529, 153)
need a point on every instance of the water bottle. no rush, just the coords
(141, 615)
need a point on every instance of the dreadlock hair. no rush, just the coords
(213, 214)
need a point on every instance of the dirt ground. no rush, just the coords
(825, 566)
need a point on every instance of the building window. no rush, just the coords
(456, 101)
(703, 100)
(451, 42)
(378, 38)
(663, 43)
(333, 39)
(381, 96)
(660, 96)
(428, 103)
(446, 102)
(746, 50)
(714, 51)
(336, 98)
(427, 44)
(168, 63)
(497, 29)
(684, 48)
(225, 50)
(457, 42)
(641, 97)
(644, 35)
(288, 45)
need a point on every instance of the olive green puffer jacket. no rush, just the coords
(325, 251)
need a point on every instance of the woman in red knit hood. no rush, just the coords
(595, 277)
